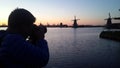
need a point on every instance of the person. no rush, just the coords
(23, 44)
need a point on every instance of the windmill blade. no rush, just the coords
(105, 19)
(72, 20)
(117, 18)
(77, 19)
(108, 18)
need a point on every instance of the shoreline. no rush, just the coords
(112, 35)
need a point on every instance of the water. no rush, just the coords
(81, 48)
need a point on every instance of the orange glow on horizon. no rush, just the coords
(67, 22)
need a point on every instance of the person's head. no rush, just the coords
(20, 21)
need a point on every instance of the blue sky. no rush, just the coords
(55, 11)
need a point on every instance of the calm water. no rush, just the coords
(81, 48)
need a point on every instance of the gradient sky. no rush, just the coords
(90, 12)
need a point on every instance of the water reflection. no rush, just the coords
(74, 36)
(81, 48)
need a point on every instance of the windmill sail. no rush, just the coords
(75, 25)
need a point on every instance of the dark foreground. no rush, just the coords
(113, 35)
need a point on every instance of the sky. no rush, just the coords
(90, 12)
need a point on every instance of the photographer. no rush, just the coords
(15, 50)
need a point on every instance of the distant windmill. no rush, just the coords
(75, 25)
(109, 23)
(115, 18)
(109, 20)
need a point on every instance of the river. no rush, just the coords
(81, 48)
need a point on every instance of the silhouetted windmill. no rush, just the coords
(75, 25)
(110, 25)
(109, 20)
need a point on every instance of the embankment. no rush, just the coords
(113, 35)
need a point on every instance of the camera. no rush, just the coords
(43, 28)
(40, 29)
(37, 32)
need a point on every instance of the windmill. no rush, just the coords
(109, 21)
(75, 25)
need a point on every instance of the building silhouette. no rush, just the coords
(75, 25)
(109, 21)
(110, 25)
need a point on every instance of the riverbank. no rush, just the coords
(112, 35)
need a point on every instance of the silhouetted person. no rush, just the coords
(15, 50)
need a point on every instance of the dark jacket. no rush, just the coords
(16, 52)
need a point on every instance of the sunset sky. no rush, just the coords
(90, 12)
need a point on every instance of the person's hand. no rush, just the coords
(38, 32)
